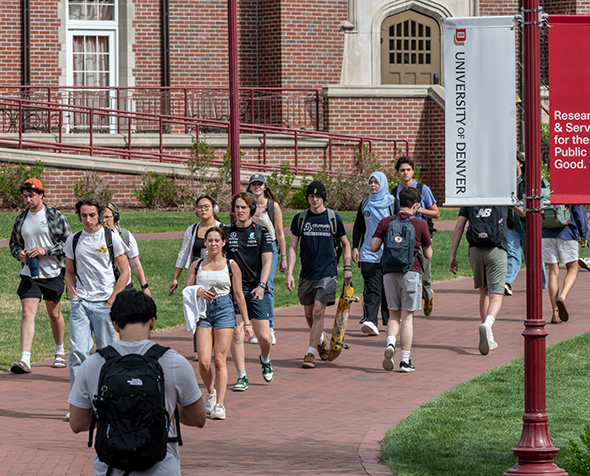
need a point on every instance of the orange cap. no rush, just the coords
(33, 183)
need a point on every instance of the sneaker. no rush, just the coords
(369, 328)
(309, 361)
(267, 372)
(241, 385)
(196, 357)
(254, 340)
(493, 345)
(59, 362)
(429, 305)
(406, 366)
(484, 339)
(507, 290)
(583, 263)
(210, 403)
(219, 412)
(273, 337)
(324, 347)
(68, 416)
(388, 357)
(20, 367)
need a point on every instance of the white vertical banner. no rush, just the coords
(480, 91)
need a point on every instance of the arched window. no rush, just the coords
(410, 49)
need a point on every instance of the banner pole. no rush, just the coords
(535, 450)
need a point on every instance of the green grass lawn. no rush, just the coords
(470, 429)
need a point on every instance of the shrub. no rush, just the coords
(158, 191)
(198, 165)
(12, 176)
(579, 463)
(281, 183)
(93, 186)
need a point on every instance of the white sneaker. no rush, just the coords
(493, 345)
(388, 358)
(584, 263)
(210, 403)
(254, 340)
(273, 337)
(484, 340)
(219, 412)
(369, 328)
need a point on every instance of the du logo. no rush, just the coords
(460, 36)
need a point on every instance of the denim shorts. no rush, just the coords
(257, 309)
(220, 314)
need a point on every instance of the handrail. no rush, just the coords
(101, 120)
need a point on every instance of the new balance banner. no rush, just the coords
(569, 123)
(480, 84)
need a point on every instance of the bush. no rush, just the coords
(12, 176)
(281, 183)
(93, 186)
(158, 191)
(579, 463)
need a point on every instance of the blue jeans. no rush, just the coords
(87, 316)
(516, 241)
(271, 283)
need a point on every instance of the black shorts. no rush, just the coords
(50, 289)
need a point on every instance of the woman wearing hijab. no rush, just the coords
(372, 210)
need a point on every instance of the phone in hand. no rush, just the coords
(212, 289)
(172, 289)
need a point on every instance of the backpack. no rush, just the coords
(486, 226)
(333, 228)
(554, 216)
(270, 209)
(108, 237)
(398, 246)
(420, 187)
(131, 419)
(124, 234)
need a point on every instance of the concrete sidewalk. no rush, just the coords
(327, 420)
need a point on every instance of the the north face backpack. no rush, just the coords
(554, 216)
(398, 246)
(131, 419)
(486, 226)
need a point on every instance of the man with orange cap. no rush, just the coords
(38, 236)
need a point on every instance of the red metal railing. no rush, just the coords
(299, 108)
(23, 116)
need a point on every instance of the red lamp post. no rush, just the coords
(535, 450)
(234, 97)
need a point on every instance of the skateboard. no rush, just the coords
(340, 321)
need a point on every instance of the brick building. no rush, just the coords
(377, 63)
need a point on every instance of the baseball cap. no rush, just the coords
(257, 178)
(34, 184)
(316, 187)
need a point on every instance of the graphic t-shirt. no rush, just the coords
(422, 235)
(318, 259)
(35, 232)
(247, 252)
(96, 279)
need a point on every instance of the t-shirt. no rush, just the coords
(181, 387)
(422, 235)
(96, 279)
(427, 198)
(242, 247)
(35, 232)
(133, 252)
(503, 244)
(318, 259)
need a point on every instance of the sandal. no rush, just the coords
(563, 314)
(20, 367)
(60, 361)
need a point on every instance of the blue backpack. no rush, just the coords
(398, 246)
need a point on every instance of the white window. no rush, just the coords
(91, 10)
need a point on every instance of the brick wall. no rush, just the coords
(499, 7)
(10, 42)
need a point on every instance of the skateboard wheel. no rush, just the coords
(346, 346)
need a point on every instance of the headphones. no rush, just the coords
(115, 209)
(81, 203)
(212, 200)
(252, 207)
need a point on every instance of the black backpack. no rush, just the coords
(420, 187)
(398, 246)
(131, 419)
(486, 226)
(333, 228)
(108, 237)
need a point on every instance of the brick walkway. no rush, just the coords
(327, 420)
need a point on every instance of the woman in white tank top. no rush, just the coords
(215, 331)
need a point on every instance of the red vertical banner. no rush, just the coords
(569, 101)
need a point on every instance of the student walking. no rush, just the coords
(371, 211)
(216, 279)
(317, 227)
(269, 215)
(38, 235)
(401, 271)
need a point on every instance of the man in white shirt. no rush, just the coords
(88, 258)
(39, 234)
(134, 315)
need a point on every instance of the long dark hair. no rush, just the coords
(267, 192)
